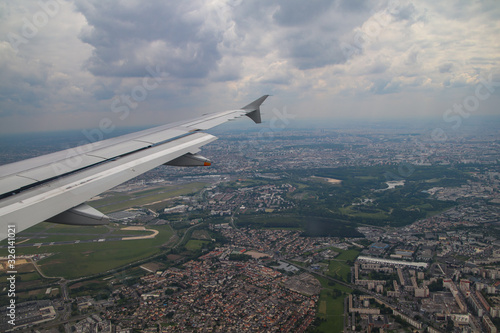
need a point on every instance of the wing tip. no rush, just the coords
(255, 104)
(253, 109)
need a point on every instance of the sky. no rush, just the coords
(93, 64)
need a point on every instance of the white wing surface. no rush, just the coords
(54, 187)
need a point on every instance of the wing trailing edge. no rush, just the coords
(81, 215)
(54, 187)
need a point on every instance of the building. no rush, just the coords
(390, 262)
(421, 292)
(490, 327)
(365, 310)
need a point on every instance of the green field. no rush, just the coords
(201, 234)
(51, 232)
(339, 267)
(331, 306)
(28, 276)
(61, 238)
(347, 255)
(114, 201)
(76, 260)
(364, 212)
(195, 245)
(47, 227)
(37, 294)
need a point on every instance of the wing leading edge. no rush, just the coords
(54, 187)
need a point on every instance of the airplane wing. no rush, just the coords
(54, 187)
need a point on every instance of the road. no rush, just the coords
(184, 235)
(399, 307)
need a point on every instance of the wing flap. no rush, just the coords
(212, 120)
(35, 175)
(60, 168)
(118, 149)
(81, 215)
(48, 200)
(46, 167)
(15, 182)
(154, 138)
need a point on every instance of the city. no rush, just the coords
(266, 241)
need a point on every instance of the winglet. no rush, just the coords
(254, 109)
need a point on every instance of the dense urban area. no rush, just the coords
(359, 228)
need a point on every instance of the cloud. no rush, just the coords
(381, 86)
(297, 12)
(404, 11)
(215, 54)
(129, 36)
(445, 68)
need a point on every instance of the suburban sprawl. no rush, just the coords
(352, 229)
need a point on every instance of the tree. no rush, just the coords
(449, 325)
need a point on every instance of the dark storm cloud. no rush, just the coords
(354, 5)
(313, 39)
(404, 12)
(15, 100)
(297, 12)
(204, 50)
(313, 53)
(445, 68)
(129, 37)
(22, 87)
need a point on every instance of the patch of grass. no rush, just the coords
(109, 199)
(47, 227)
(124, 275)
(348, 255)
(118, 202)
(338, 270)
(24, 267)
(322, 307)
(195, 245)
(33, 294)
(28, 276)
(49, 232)
(201, 234)
(461, 257)
(339, 267)
(92, 287)
(364, 212)
(83, 259)
(37, 228)
(159, 207)
(331, 306)
(61, 238)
